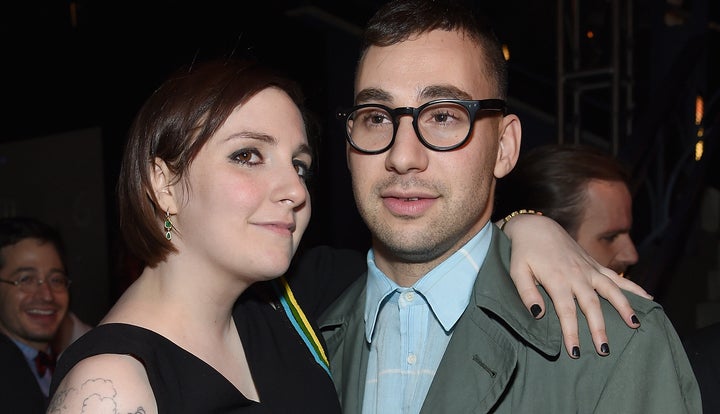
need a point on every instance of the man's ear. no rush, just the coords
(162, 186)
(508, 145)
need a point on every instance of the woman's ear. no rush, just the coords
(508, 145)
(162, 186)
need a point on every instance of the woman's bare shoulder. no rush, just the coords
(105, 383)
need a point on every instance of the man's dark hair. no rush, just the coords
(400, 20)
(16, 229)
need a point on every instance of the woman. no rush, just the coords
(214, 200)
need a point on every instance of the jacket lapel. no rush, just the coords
(343, 328)
(481, 358)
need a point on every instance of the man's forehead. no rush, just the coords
(416, 70)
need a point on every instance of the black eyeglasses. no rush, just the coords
(441, 125)
(30, 283)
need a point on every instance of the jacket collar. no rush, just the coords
(496, 293)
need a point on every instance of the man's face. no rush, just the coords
(420, 204)
(604, 230)
(31, 317)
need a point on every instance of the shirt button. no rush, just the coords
(411, 359)
(409, 296)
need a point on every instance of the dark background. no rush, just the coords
(88, 65)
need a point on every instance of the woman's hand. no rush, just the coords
(544, 253)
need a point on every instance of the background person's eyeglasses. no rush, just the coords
(30, 283)
(441, 125)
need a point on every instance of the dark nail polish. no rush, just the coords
(535, 309)
(635, 320)
(605, 348)
(576, 352)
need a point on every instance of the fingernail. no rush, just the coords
(535, 309)
(605, 348)
(635, 320)
(576, 352)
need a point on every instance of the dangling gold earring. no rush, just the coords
(168, 225)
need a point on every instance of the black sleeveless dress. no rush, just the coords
(287, 376)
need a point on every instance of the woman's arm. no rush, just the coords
(544, 253)
(105, 384)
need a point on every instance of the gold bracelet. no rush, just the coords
(517, 213)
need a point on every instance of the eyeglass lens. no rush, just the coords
(56, 283)
(443, 124)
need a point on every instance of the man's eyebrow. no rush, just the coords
(444, 91)
(615, 232)
(23, 269)
(427, 93)
(373, 94)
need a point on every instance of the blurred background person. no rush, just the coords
(34, 300)
(582, 188)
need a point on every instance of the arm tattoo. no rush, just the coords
(97, 397)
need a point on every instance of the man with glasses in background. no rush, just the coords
(34, 299)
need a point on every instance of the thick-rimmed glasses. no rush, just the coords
(441, 125)
(30, 283)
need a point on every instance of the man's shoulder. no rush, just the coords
(10, 352)
(17, 377)
(645, 309)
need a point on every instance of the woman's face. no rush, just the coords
(245, 204)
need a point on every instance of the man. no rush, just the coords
(436, 326)
(583, 189)
(33, 302)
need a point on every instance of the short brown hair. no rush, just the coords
(553, 179)
(173, 125)
(397, 21)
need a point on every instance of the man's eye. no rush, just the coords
(27, 280)
(58, 281)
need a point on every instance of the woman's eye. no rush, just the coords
(303, 170)
(247, 156)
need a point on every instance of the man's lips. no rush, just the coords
(41, 312)
(410, 205)
(42, 316)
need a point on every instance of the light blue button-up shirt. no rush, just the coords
(408, 328)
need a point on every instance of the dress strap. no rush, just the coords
(300, 322)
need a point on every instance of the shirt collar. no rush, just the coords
(447, 288)
(29, 352)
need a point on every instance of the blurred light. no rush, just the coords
(73, 14)
(699, 110)
(590, 34)
(699, 148)
(506, 52)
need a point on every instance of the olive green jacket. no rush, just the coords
(501, 360)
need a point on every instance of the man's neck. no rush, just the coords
(406, 272)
